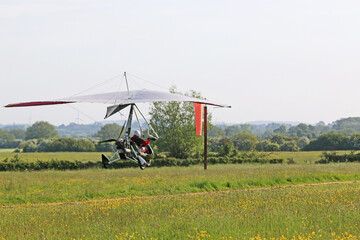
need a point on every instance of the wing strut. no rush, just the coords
(129, 121)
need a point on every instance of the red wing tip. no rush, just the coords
(39, 103)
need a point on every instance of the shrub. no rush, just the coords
(333, 157)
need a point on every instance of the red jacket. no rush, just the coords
(139, 141)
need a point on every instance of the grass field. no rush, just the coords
(7, 150)
(69, 156)
(302, 157)
(135, 204)
(316, 212)
(59, 186)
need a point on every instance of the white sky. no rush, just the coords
(271, 60)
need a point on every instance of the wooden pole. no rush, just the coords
(205, 137)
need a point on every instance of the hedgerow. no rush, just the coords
(16, 164)
(333, 157)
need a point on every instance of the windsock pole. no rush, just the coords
(205, 137)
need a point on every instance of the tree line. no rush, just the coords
(42, 136)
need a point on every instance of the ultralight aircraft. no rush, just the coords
(126, 147)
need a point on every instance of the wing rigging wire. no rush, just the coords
(137, 119)
(98, 85)
(150, 127)
(142, 79)
(74, 108)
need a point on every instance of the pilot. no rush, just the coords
(138, 140)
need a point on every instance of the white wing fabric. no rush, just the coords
(121, 98)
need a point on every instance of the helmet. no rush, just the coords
(137, 133)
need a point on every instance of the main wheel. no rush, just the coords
(105, 161)
(142, 167)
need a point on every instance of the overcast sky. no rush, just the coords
(270, 60)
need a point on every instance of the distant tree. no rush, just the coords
(302, 142)
(40, 130)
(104, 147)
(8, 140)
(354, 141)
(278, 139)
(267, 133)
(18, 133)
(70, 145)
(227, 148)
(302, 130)
(289, 146)
(267, 146)
(244, 141)
(329, 141)
(321, 127)
(216, 131)
(214, 144)
(347, 126)
(281, 130)
(109, 131)
(41, 145)
(233, 129)
(6, 135)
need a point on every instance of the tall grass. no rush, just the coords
(321, 212)
(60, 186)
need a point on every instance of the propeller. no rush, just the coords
(108, 140)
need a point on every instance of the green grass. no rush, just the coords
(59, 186)
(302, 157)
(7, 150)
(321, 212)
(69, 156)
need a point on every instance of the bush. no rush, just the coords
(29, 146)
(290, 161)
(333, 157)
